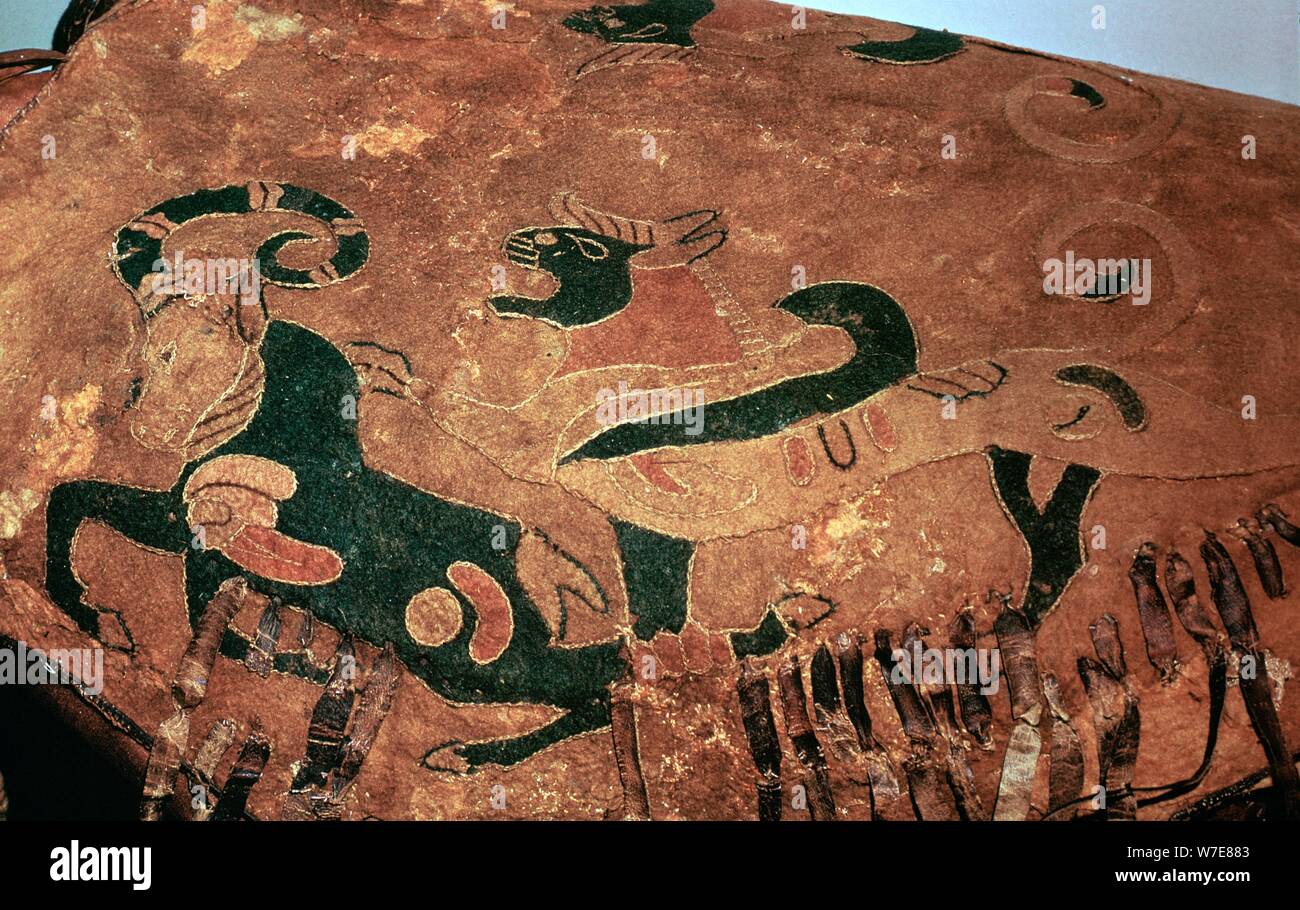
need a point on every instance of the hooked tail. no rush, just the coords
(139, 244)
(885, 353)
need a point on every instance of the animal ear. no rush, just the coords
(566, 208)
(683, 239)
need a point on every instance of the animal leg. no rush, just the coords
(142, 515)
(1052, 534)
(656, 571)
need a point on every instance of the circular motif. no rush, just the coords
(433, 617)
(1150, 137)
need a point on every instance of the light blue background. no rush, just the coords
(1250, 46)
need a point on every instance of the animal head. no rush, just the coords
(624, 24)
(199, 377)
(658, 31)
(591, 257)
(654, 22)
(571, 254)
(199, 373)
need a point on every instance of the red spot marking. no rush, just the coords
(654, 473)
(881, 430)
(669, 322)
(495, 624)
(270, 554)
(798, 460)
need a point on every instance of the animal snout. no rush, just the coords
(520, 249)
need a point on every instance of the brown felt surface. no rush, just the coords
(817, 160)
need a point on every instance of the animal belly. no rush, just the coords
(732, 489)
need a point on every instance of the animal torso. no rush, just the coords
(393, 539)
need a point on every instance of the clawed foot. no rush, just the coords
(384, 370)
(975, 380)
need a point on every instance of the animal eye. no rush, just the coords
(545, 238)
(592, 249)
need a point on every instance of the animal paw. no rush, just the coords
(382, 369)
(975, 380)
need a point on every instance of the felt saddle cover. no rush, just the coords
(660, 410)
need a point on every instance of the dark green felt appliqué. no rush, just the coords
(593, 273)
(652, 22)
(395, 541)
(764, 639)
(886, 352)
(1055, 551)
(1109, 286)
(1125, 398)
(657, 571)
(1089, 94)
(135, 252)
(924, 46)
